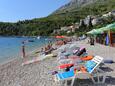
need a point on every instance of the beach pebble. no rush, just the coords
(36, 74)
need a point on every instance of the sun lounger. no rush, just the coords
(69, 53)
(90, 67)
(75, 59)
(65, 75)
(87, 70)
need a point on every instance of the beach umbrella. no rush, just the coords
(95, 32)
(99, 31)
(90, 32)
(60, 37)
(111, 25)
(108, 27)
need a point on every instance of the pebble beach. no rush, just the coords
(36, 74)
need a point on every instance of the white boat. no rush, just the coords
(38, 37)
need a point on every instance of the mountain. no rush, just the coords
(75, 5)
(66, 15)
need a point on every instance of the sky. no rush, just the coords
(15, 10)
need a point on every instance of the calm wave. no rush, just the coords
(10, 47)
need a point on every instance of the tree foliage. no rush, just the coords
(46, 25)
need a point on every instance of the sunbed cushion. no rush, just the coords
(65, 66)
(86, 58)
(65, 75)
(90, 65)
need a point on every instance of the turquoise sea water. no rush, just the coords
(10, 47)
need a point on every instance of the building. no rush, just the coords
(109, 14)
(87, 19)
(96, 20)
(56, 31)
(66, 28)
(112, 13)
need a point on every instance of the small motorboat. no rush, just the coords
(38, 37)
(30, 40)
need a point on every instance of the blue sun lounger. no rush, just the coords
(65, 75)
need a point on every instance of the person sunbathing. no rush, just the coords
(48, 49)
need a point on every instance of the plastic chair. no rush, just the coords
(90, 66)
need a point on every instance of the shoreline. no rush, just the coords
(29, 53)
(20, 57)
(8, 61)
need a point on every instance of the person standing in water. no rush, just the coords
(23, 50)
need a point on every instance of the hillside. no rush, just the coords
(87, 7)
(74, 5)
(65, 15)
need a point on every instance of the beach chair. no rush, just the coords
(76, 59)
(77, 52)
(86, 72)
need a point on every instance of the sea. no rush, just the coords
(10, 47)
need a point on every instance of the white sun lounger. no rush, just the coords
(93, 65)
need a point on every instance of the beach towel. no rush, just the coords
(86, 58)
(65, 66)
(65, 75)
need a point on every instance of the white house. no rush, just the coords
(113, 12)
(64, 28)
